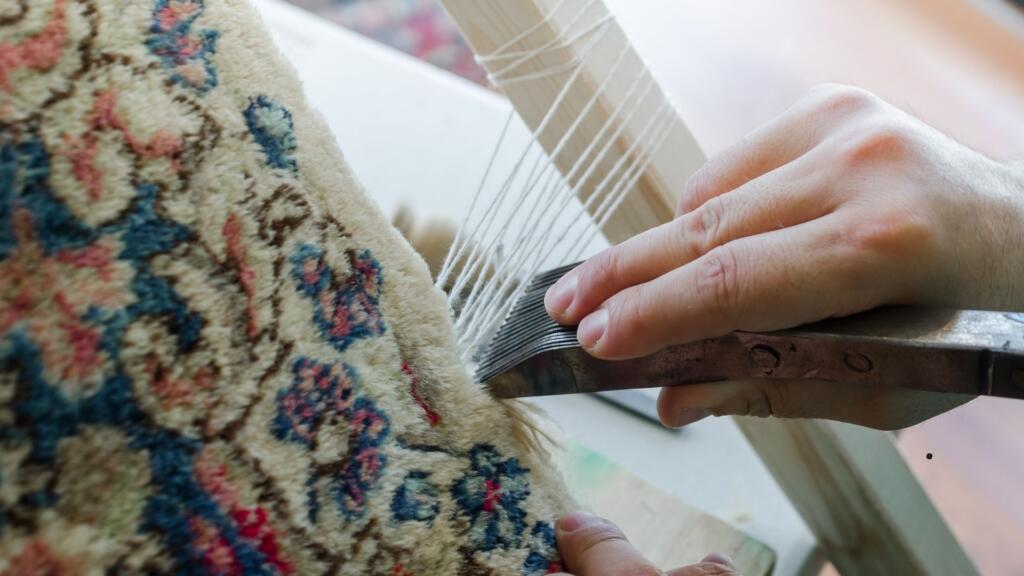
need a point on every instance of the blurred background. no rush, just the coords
(420, 28)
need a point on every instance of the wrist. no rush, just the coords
(1000, 277)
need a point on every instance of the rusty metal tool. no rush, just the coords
(947, 351)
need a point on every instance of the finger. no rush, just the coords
(768, 281)
(791, 195)
(785, 138)
(591, 546)
(863, 404)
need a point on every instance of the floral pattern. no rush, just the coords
(543, 557)
(185, 52)
(198, 372)
(318, 391)
(344, 311)
(416, 498)
(272, 127)
(491, 495)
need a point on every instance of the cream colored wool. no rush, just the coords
(132, 441)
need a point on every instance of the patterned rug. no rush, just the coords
(418, 27)
(216, 356)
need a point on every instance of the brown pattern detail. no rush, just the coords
(276, 230)
(274, 495)
(85, 48)
(12, 19)
(385, 558)
(230, 431)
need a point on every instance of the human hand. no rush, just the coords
(841, 204)
(591, 546)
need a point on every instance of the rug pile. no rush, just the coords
(216, 356)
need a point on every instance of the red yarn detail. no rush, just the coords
(175, 391)
(253, 525)
(37, 557)
(84, 341)
(97, 256)
(40, 52)
(160, 145)
(399, 570)
(492, 494)
(232, 232)
(432, 416)
(218, 557)
(81, 152)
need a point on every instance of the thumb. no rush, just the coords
(591, 546)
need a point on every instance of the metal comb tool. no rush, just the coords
(946, 351)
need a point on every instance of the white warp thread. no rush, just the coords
(487, 267)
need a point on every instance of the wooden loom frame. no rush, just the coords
(850, 484)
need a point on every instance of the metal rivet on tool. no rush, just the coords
(765, 358)
(858, 362)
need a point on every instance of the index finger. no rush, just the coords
(769, 281)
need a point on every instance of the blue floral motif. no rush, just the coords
(321, 392)
(343, 311)
(364, 463)
(317, 391)
(416, 498)
(490, 495)
(543, 557)
(33, 219)
(185, 53)
(271, 125)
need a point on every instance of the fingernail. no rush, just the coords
(718, 558)
(560, 296)
(688, 416)
(576, 520)
(592, 328)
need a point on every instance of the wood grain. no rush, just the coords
(667, 531)
(489, 24)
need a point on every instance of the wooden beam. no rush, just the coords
(857, 495)
(850, 484)
(489, 24)
(667, 530)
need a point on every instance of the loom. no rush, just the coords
(620, 148)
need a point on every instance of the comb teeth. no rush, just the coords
(528, 330)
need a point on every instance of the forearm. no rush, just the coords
(991, 267)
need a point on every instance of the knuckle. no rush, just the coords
(717, 282)
(701, 227)
(840, 100)
(881, 141)
(589, 538)
(605, 268)
(627, 315)
(697, 188)
(894, 233)
(771, 398)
